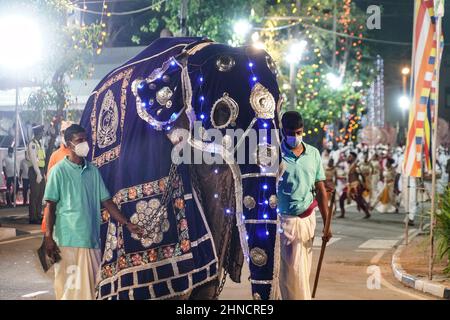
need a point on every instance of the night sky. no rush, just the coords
(397, 25)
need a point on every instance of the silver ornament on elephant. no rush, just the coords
(262, 102)
(224, 112)
(249, 202)
(273, 201)
(136, 84)
(164, 95)
(258, 256)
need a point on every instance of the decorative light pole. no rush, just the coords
(293, 57)
(21, 47)
(404, 103)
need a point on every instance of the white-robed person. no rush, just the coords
(301, 170)
(74, 193)
(376, 175)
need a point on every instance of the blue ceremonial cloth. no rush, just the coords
(128, 119)
(258, 224)
(134, 160)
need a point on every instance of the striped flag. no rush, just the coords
(429, 120)
(424, 67)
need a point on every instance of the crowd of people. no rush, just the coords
(29, 172)
(70, 188)
(308, 183)
(372, 177)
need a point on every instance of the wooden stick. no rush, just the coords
(324, 243)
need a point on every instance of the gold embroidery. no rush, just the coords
(114, 153)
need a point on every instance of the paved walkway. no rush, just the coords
(357, 262)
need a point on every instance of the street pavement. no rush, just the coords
(356, 264)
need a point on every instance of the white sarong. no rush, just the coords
(296, 256)
(76, 273)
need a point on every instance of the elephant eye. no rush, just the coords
(224, 112)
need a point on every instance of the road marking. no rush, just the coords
(318, 241)
(20, 239)
(34, 294)
(378, 244)
(376, 258)
(35, 231)
(410, 232)
(374, 261)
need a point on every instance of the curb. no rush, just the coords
(7, 233)
(23, 236)
(408, 280)
(20, 225)
(11, 233)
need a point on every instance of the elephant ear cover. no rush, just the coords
(159, 98)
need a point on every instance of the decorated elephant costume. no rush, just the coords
(201, 220)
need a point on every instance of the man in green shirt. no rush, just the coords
(74, 192)
(301, 189)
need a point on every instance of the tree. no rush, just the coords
(333, 31)
(332, 80)
(206, 18)
(70, 43)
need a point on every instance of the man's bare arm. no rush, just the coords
(50, 218)
(119, 217)
(322, 200)
(114, 211)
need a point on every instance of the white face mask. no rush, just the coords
(294, 141)
(81, 149)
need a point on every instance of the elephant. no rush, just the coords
(202, 220)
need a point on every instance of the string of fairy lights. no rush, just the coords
(308, 88)
(78, 37)
(343, 48)
(265, 212)
(83, 9)
(349, 42)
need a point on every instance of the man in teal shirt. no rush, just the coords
(301, 190)
(74, 192)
